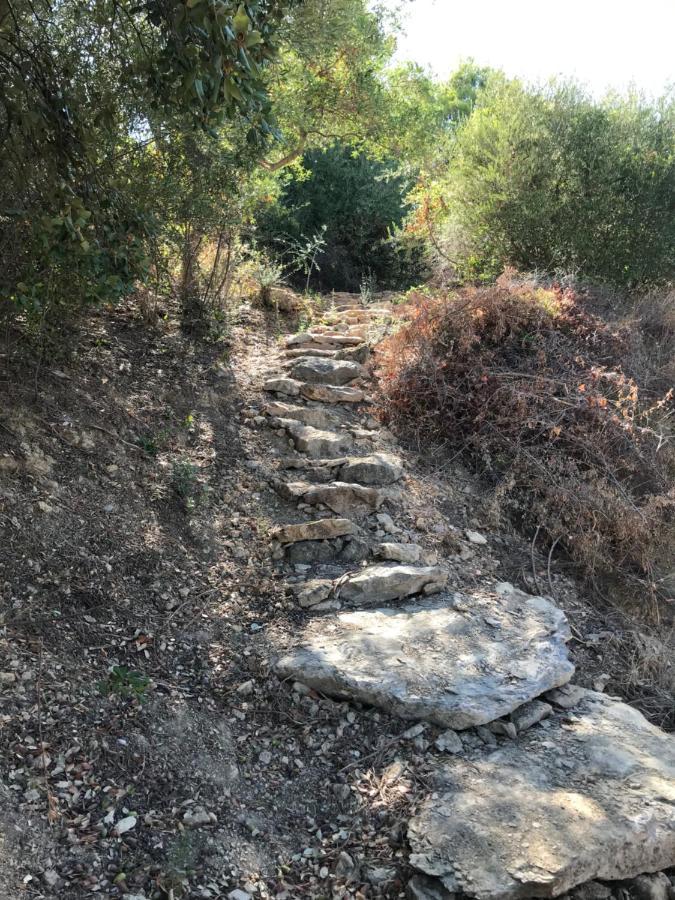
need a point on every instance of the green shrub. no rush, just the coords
(551, 180)
(355, 203)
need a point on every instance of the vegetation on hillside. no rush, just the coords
(153, 149)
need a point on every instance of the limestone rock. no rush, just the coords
(332, 394)
(359, 354)
(315, 442)
(319, 370)
(530, 713)
(403, 553)
(594, 800)
(449, 741)
(381, 583)
(309, 350)
(312, 592)
(438, 660)
(323, 338)
(283, 386)
(378, 468)
(319, 530)
(308, 415)
(344, 498)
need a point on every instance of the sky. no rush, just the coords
(606, 44)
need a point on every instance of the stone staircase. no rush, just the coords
(561, 786)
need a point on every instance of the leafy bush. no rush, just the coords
(355, 203)
(551, 180)
(527, 384)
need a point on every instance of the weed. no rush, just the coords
(124, 682)
(185, 482)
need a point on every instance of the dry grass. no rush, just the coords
(568, 415)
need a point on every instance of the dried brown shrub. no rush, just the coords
(528, 385)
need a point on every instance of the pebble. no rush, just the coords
(475, 537)
(449, 742)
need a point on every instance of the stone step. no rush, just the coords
(403, 553)
(325, 393)
(376, 469)
(309, 350)
(318, 530)
(315, 442)
(591, 797)
(324, 339)
(282, 385)
(308, 415)
(338, 496)
(457, 662)
(319, 370)
(382, 583)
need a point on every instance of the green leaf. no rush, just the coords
(241, 20)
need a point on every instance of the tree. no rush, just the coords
(551, 179)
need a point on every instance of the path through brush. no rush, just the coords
(565, 785)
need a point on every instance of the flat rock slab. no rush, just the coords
(315, 442)
(338, 496)
(403, 553)
(378, 468)
(308, 415)
(379, 584)
(593, 797)
(319, 530)
(309, 350)
(456, 662)
(323, 339)
(319, 370)
(331, 393)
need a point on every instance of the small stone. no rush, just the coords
(449, 742)
(566, 696)
(198, 816)
(124, 825)
(378, 876)
(50, 877)
(287, 386)
(601, 682)
(265, 758)
(403, 553)
(413, 732)
(503, 727)
(475, 537)
(7, 677)
(246, 689)
(530, 713)
(345, 867)
(238, 894)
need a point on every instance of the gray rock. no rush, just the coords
(314, 442)
(518, 823)
(421, 887)
(283, 386)
(312, 592)
(319, 370)
(238, 894)
(355, 550)
(449, 742)
(355, 354)
(403, 553)
(566, 696)
(379, 468)
(319, 530)
(344, 498)
(530, 713)
(308, 415)
(381, 583)
(592, 890)
(313, 552)
(431, 661)
(346, 868)
(326, 393)
(475, 537)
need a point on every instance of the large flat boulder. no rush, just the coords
(378, 468)
(320, 370)
(457, 662)
(379, 584)
(592, 797)
(315, 442)
(327, 393)
(325, 338)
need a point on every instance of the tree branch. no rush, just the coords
(288, 159)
